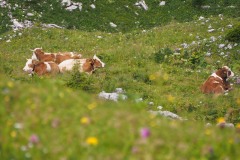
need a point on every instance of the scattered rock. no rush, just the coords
(118, 94)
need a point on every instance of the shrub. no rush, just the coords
(80, 81)
(162, 55)
(234, 35)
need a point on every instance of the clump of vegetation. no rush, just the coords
(234, 35)
(162, 55)
(80, 81)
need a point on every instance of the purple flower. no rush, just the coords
(34, 139)
(145, 132)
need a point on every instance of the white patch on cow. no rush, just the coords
(216, 82)
(68, 65)
(222, 87)
(34, 57)
(27, 68)
(216, 76)
(48, 66)
(95, 57)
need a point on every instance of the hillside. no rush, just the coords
(159, 56)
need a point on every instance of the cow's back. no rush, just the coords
(212, 85)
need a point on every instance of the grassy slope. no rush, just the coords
(49, 109)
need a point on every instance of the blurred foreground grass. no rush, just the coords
(49, 121)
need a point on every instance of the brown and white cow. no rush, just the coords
(41, 68)
(39, 55)
(85, 65)
(217, 82)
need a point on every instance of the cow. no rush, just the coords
(41, 68)
(217, 83)
(87, 65)
(39, 55)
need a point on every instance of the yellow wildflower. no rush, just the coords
(10, 84)
(13, 134)
(92, 106)
(85, 120)
(170, 98)
(152, 77)
(238, 101)
(221, 120)
(208, 132)
(92, 141)
(238, 126)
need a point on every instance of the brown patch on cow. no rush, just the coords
(88, 66)
(44, 57)
(40, 68)
(64, 56)
(97, 63)
(55, 57)
(54, 68)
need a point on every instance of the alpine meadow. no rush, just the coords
(142, 102)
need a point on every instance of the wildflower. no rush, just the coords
(152, 77)
(18, 125)
(145, 133)
(92, 141)
(13, 134)
(85, 120)
(92, 106)
(238, 101)
(238, 126)
(10, 84)
(221, 120)
(170, 98)
(208, 132)
(34, 138)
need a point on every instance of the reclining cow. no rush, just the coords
(217, 82)
(41, 68)
(39, 55)
(85, 65)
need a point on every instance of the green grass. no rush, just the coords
(52, 107)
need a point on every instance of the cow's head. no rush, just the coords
(29, 65)
(225, 72)
(36, 53)
(97, 63)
